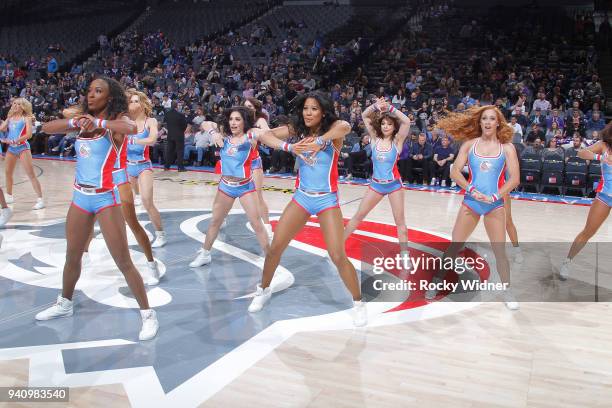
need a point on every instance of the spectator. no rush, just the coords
(200, 144)
(541, 103)
(516, 128)
(443, 156)
(52, 66)
(595, 123)
(359, 154)
(555, 118)
(166, 102)
(399, 99)
(535, 133)
(420, 156)
(538, 118)
(572, 149)
(575, 125)
(53, 143)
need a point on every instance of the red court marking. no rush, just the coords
(367, 248)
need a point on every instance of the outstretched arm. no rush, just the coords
(594, 152)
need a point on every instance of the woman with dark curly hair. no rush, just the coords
(600, 209)
(488, 152)
(103, 124)
(236, 177)
(321, 134)
(388, 128)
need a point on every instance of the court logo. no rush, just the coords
(207, 337)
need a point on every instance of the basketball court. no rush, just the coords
(302, 350)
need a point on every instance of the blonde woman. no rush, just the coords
(18, 126)
(139, 167)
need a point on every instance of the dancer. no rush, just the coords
(487, 151)
(390, 126)
(120, 180)
(261, 122)
(322, 134)
(600, 209)
(139, 166)
(103, 127)
(19, 126)
(236, 176)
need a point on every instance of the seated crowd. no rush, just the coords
(547, 104)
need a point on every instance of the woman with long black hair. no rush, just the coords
(103, 125)
(321, 134)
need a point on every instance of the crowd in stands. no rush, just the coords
(547, 85)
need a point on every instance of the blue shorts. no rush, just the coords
(256, 164)
(481, 208)
(386, 188)
(236, 191)
(134, 170)
(120, 177)
(604, 198)
(17, 150)
(96, 202)
(315, 204)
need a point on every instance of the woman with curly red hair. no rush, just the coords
(489, 154)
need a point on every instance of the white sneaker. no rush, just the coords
(360, 313)
(443, 183)
(433, 182)
(150, 325)
(510, 301)
(262, 296)
(40, 204)
(565, 269)
(5, 216)
(153, 278)
(203, 258)
(9, 198)
(453, 184)
(137, 200)
(160, 239)
(61, 308)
